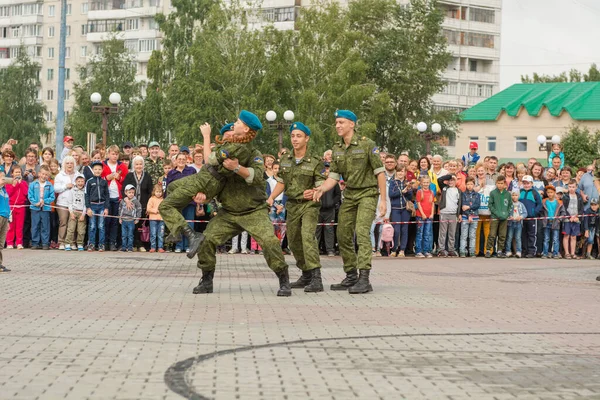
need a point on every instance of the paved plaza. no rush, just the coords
(127, 326)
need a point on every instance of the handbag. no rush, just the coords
(144, 232)
(410, 206)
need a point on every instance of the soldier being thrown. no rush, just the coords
(235, 144)
(357, 160)
(299, 173)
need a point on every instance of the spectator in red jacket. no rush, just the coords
(17, 194)
(114, 172)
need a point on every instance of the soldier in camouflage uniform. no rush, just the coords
(357, 160)
(153, 165)
(243, 208)
(299, 173)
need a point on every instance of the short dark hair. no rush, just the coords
(470, 179)
(555, 157)
(493, 158)
(500, 178)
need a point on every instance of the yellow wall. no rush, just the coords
(507, 128)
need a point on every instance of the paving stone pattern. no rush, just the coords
(126, 326)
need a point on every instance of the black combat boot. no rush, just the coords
(303, 281)
(316, 284)
(350, 279)
(284, 283)
(206, 283)
(195, 239)
(363, 285)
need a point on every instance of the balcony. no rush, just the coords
(468, 76)
(21, 20)
(483, 53)
(464, 25)
(104, 9)
(16, 42)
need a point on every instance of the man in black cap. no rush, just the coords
(127, 148)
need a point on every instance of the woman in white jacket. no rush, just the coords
(63, 183)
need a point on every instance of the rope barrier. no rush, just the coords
(459, 220)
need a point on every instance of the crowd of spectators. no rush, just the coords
(470, 206)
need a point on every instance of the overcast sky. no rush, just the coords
(548, 36)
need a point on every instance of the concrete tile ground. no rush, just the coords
(126, 326)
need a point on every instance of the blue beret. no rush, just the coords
(226, 128)
(301, 127)
(94, 163)
(346, 114)
(184, 148)
(250, 120)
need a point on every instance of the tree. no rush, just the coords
(407, 60)
(21, 115)
(113, 70)
(573, 75)
(580, 146)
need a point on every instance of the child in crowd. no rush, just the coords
(450, 208)
(4, 218)
(167, 167)
(573, 203)
(77, 211)
(518, 212)
(129, 218)
(96, 204)
(157, 226)
(590, 226)
(557, 151)
(471, 158)
(400, 193)
(54, 220)
(471, 201)
(17, 193)
(425, 210)
(552, 210)
(532, 201)
(500, 205)
(41, 196)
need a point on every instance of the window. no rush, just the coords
(69, 8)
(85, 7)
(50, 74)
(3, 32)
(51, 10)
(482, 15)
(67, 94)
(473, 138)
(49, 116)
(50, 31)
(67, 74)
(14, 52)
(15, 31)
(32, 30)
(32, 9)
(4, 53)
(68, 30)
(521, 143)
(132, 24)
(480, 40)
(83, 51)
(146, 45)
(473, 65)
(16, 10)
(131, 45)
(38, 95)
(50, 52)
(453, 88)
(67, 52)
(4, 11)
(84, 29)
(50, 95)
(152, 24)
(463, 89)
(491, 143)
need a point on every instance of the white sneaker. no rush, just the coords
(508, 254)
(142, 249)
(244, 251)
(187, 250)
(177, 250)
(67, 248)
(9, 247)
(232, 251)
(61, 247)
(19, 247)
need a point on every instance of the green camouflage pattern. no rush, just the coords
(243, 152)
(154, 169)
(308, 173)
(301, 224)
(356, 216)
(359, 164)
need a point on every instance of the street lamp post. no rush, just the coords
(546, 144)
(288, 116)
(435, 129)
(115, 99)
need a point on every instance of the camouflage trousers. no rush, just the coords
(356, 216)
(224, 226)
(302, 218)
(181, 192)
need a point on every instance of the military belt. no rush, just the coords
(213, 171)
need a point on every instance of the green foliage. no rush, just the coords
(580, 146)
(21, 115)
(380, 59)
(573, 75)
(111, 71)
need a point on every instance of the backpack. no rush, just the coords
(387, 234)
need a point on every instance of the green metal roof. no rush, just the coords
(580, 99)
